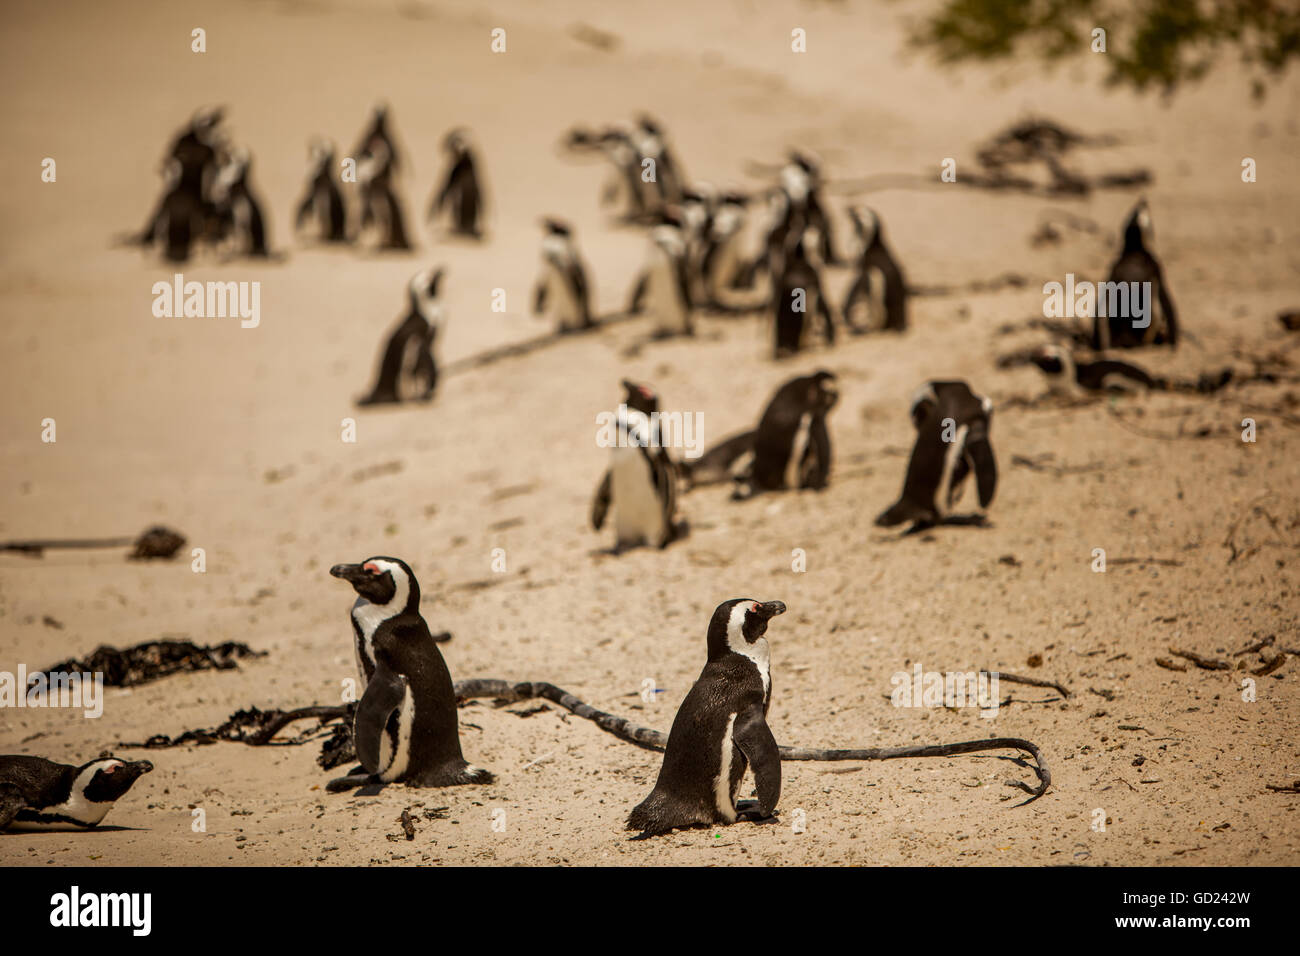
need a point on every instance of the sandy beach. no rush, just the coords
(233, 436)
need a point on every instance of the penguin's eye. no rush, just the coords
(372, 568)
(110, 768)
(754, 608)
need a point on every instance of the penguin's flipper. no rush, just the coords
(755, 740)
(11, 801)
(828, 319)
(638, 294)
(384, 694)
(980, 451)
(815, 464)
(539, 297)
(600, 505)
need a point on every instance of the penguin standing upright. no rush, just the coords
(237, 211)
(39, 794)
(461, 189)
(792, 445)
(641, 480)
(720, 264)
(664, 288)
(407, 369)
(952, 440)
(660, 180)
(799, 294)
(377, 137)
(380, 205)
(720, 731)
(1136, 263)
(406, 726)
(183, 213)
(561, 289)
(878, 280)
(323, 199)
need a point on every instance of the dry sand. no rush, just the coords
(183, 421)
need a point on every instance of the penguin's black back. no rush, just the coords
(42, 782)
(685, 792)
(404, 645)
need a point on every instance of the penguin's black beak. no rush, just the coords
(770, 610)
(139, 768)
(350, 572)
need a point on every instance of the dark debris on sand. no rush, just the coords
(154, 660)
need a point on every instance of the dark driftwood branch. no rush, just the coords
(1030, 681)
(269, 723)
(655, 740)
(1206, 663)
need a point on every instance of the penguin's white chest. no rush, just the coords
(724, 799)
(663, 293)
(797, 447)
(638, 514)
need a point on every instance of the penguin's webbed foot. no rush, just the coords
(350, 782)
(751, 812)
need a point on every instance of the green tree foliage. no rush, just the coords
(1149, 43)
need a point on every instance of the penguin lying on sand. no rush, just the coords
(952, 440)
(408, 370)
(1067, 377)
(1136, 263)
(641, 482)
(406, 727)
(720, 731)
(39, 794)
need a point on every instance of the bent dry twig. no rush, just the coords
(655, 740)
(258, 728)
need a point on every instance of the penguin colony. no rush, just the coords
(698, 260)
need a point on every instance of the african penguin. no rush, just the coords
(663, 289)
(39, 794)
(720, 261)
(377, 137)
(561, 289)
(952, 440)
(641, 480)
(1066, 376)
(720, 731)
(188, 171)
(406, 726)
(666, 187)
(380, 206)
(407, 369)
(323, 199)
(1136, 263)
(878, 281)
(798, 296)
(461, 191)
(237, 211)
(792, 445)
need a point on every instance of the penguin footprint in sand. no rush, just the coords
(720, 731)
(406, 727)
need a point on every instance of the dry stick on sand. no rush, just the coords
(656, 740)
(1205, 663)
(1031, 681)
(531, 345)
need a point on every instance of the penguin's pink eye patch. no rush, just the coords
(754, 608)
(371, 567)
